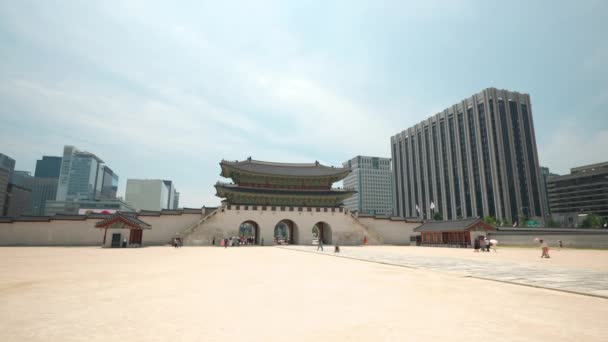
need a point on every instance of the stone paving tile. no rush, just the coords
(572, 280)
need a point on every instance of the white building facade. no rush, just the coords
(150, 194)
(371, 177)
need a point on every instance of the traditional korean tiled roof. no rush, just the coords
(289, 192)
(32, 219)
(71, 217)
(450, 226)
(128, 219)
(193, 210)
(282, 169)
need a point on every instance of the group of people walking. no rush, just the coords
(484, 244)
(235, 241)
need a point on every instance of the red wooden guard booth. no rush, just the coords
(125, 229)
(457, 233)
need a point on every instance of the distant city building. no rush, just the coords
(4, 176)
(150, 194)
(75, 207)
(583, 191)
(21, 187)
(48, 167)
(7, 163)
(176, 200)
(43, 189)
(544, 176)
(7, 166)
(171, 192)
(17, 202)
(109, 183)
(371, 177)
(84, 176)
(21, 178)
(475, 158)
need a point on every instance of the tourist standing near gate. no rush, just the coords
(320, 245)
(545, 248)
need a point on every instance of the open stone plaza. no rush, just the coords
(295, 293)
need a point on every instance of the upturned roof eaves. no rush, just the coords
(456, 225)
(284, 169)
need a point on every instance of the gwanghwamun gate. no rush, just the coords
(269, 203)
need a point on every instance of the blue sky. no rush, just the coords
(168, 89)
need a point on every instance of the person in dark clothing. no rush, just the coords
(213, 242)
(320, 245)
(476, 245)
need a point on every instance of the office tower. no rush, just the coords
(7, 166)
(583, 191)
(48, 167)
(176, 200)
(371, 177)
(43, 190)
(475, 158)
(84, 176)
(150, 194)
(22, 178)
(7, 163)
(17, 201)
(544, 176)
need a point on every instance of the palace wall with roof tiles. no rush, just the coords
(58, 232)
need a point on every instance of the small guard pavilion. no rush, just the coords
(457, 233)
(123, 228)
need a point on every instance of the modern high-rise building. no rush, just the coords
(371, 177)
(150, 194)
(7, 167)
(43, 190)
(18, 201)
(544, 176)
(48, 167)
(583, 191)
(109, 183)
(21, 178)
(4, 176)
(176, 200)
(7, 163)
(84, 176)
(475, 158)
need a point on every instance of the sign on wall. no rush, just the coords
(96, 211)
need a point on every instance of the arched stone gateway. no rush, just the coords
(250, 230)
(286, 232)
(322, 230)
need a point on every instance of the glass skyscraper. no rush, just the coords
(475, 158)
(371, 178)
(84, 176)
(48, 167)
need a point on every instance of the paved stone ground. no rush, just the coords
(579, 281)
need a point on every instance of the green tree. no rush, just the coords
(553, 224)
(592, 221)
(521, 221)
(490, 220)
(438, 217)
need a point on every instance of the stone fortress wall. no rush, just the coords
(199, 227)
(342, 227)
